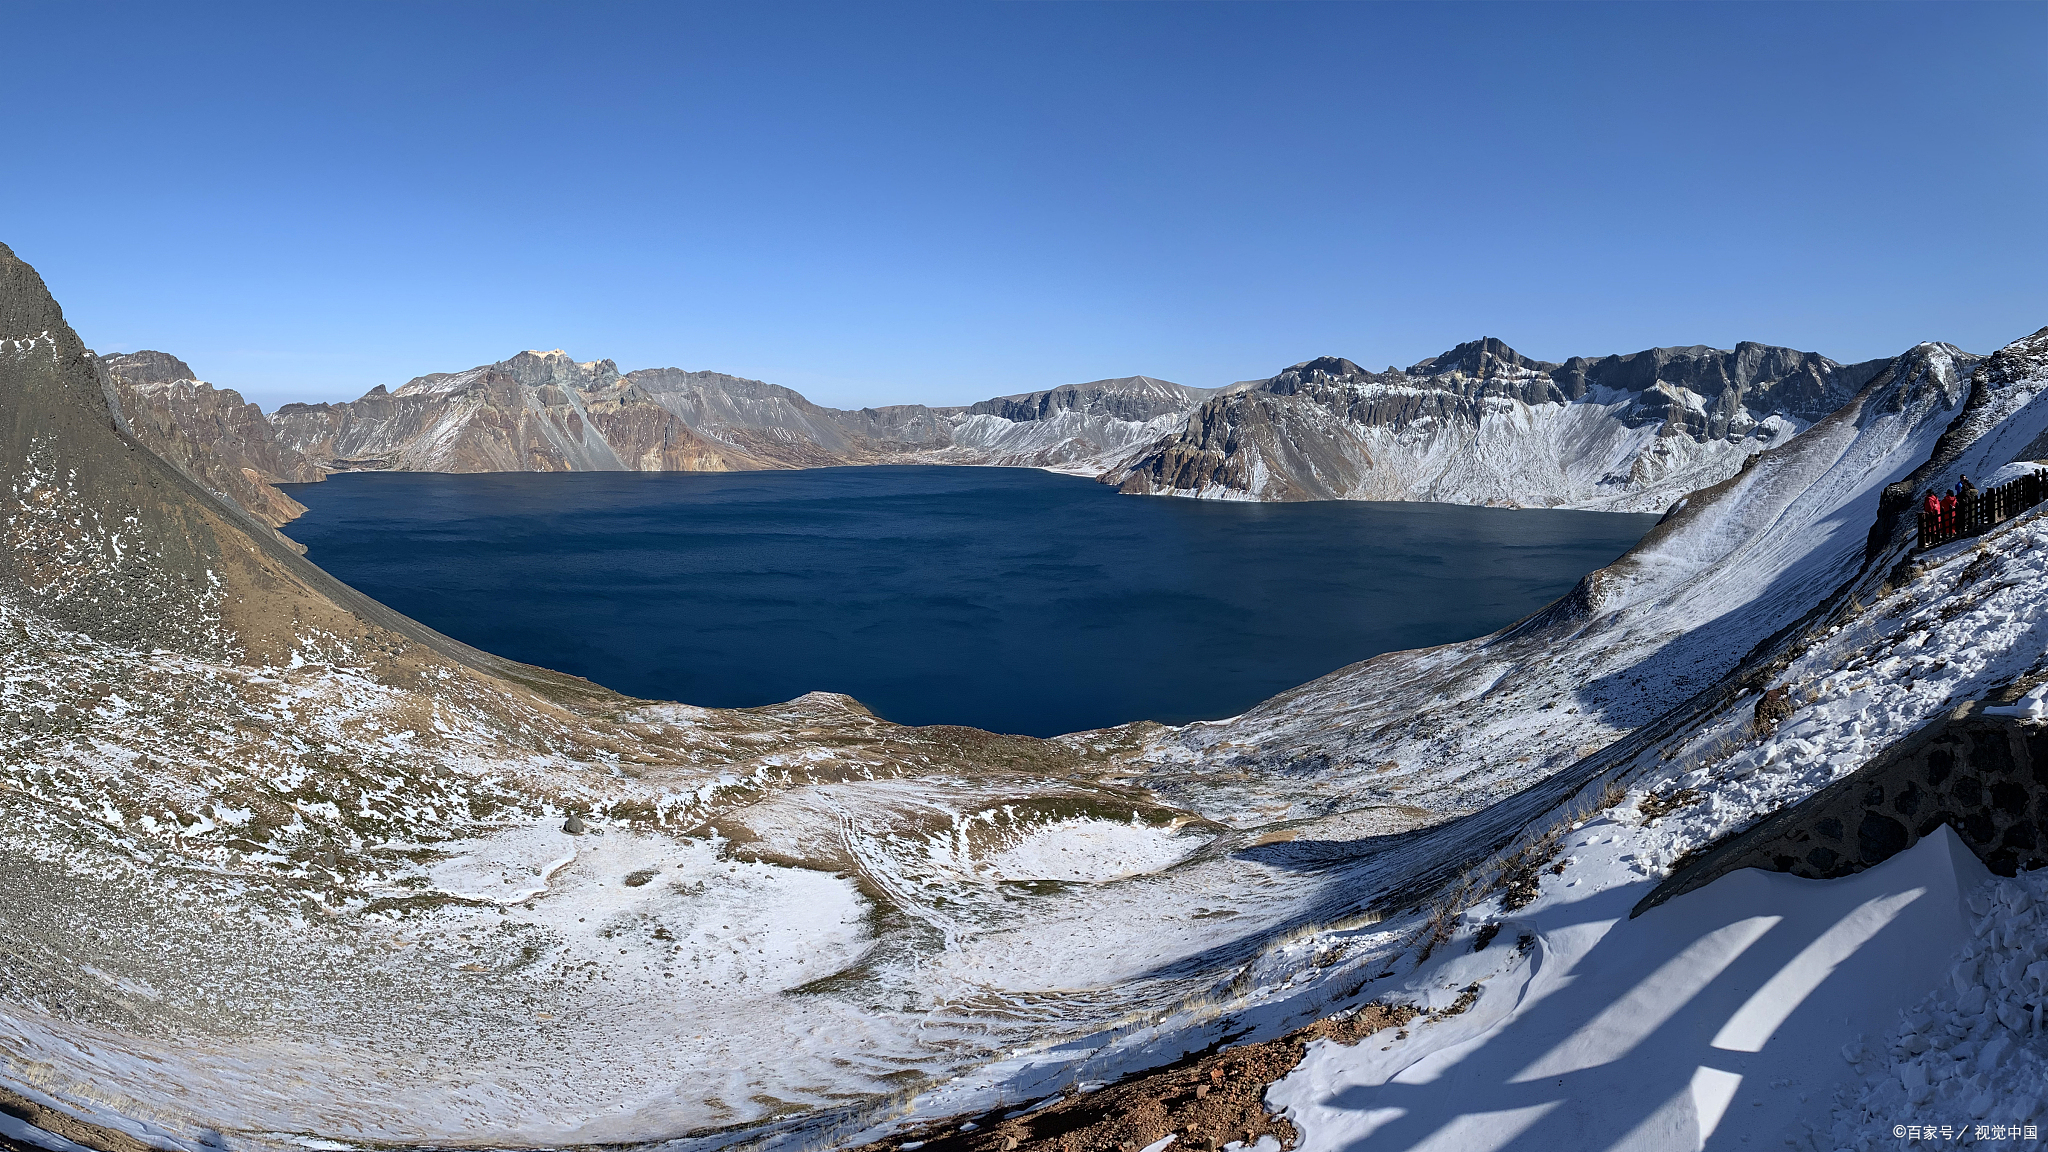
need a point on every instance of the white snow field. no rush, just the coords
(1722, 1013)
(312, 903)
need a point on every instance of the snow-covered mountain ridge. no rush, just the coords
(1482, 424)
(270, 851)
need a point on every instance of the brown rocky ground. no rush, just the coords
(1206, 1101)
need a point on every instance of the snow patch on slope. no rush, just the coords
(1081, 849)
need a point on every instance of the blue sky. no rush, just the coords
(879, 204)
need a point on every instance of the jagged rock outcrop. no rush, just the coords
(211, 434)
(1482, 424)
(542, 411)
(537, 412)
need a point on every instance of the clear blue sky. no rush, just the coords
(879, 204)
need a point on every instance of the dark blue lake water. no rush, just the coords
(1007, 599)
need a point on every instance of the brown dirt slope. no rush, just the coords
(105, 537)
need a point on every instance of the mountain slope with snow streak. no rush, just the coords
(543, 411)
(1482, 424)
(1760, 1006)
(1462, 726)
(1823, 1011)
(1479, 424)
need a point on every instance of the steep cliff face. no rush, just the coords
(542, 411)
(1482, 424)
(537, 412)
(211, 434)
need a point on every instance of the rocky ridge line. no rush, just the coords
(1479, 424)
(211, 434)
(1483, 424)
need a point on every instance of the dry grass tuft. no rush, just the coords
(1654, 805)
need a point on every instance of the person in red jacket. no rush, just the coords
(1948, 514)
(1931, 509)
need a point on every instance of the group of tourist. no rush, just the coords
(1963, 510)
(1942, 508)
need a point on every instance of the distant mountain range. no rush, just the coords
(1480, 424)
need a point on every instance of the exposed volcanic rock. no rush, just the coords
(777, 426)
(1484, 424)
(765, 422)
(211, 434)
(1134, 398)
(148, 367)
(537, 412)
(1092, 429)
(1479, 424)
(542, 411)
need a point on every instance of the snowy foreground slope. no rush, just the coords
(284, 869)
(1767, 1008)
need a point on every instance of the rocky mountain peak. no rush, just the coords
(148, 367)
(1479, 359)
(26, 310)
(538, 369)
(1328, 366)
(2024, 359)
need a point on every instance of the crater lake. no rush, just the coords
(1007, 599)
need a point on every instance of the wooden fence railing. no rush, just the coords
(1976, 511)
